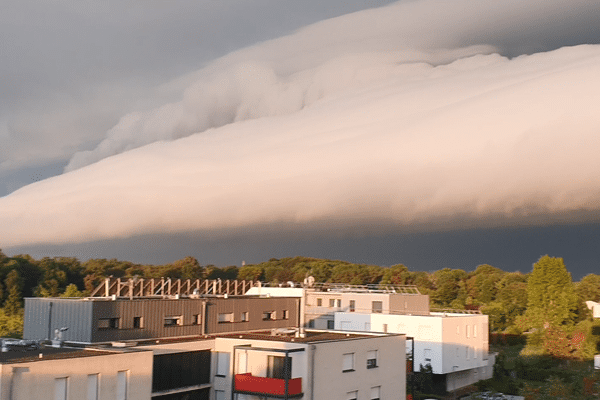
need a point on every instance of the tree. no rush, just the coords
(551, 300)
(13, 282)
(588, 288)
(72, 291)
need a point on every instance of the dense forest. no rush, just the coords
(544, 301)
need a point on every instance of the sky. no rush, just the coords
(434, 133)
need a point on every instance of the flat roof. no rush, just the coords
(48, 353)
(311, 336)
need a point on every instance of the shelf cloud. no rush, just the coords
(425, 115)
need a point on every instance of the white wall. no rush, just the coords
(439, 340)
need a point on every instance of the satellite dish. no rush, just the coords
(309, 281)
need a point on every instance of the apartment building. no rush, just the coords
(74, 374)
(108, 319)
(595, 307)
(314, 365)
(454, 344)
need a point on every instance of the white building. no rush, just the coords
(595, 307)
(455, 345)
(321, 365)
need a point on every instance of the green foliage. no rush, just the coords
(588, 289)
(11, 325)
(13, 303)
(72, 291)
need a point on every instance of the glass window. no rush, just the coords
(427, 355)
(219, 395)
(223, 318)
(60, 388)
(92, 386)
(222, 363)
(352, 307)
(372, 359)
(286, 314)
(245, 316)
(330, 324)
(122, 383)
(352, 395)
(277, 368)
(338, 303)
(108, 323)
(268, 315)
(377, 307)
(319, 302)
(331, 302)
(173, 320)
(348, 362)
(138, 322)
(376, 393)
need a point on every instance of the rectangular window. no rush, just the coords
(108, 323)
(122, 383)
(348, 362)
(338, 303)
(60, 388)
(196, 319)
(245, 316)
(277, 367)
(427, 355)
(219, 395)
(173, 320)
(319, 302)
(286, 314)
(224, 318)
(268, 316)
(92, 386)
(330, 324)
(222, 363)
(311, 323)
(372, 359)
(352, 307)
(353, 395)
(331, 302)
(138, 322)
(376, 393)
(376, 307)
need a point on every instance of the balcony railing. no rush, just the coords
(271, 387)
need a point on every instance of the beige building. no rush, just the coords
(75, 374)
(321, 365)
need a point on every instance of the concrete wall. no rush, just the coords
(330, 382)
(450, 343)
(37, 379)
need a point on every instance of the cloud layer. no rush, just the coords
(372, 120)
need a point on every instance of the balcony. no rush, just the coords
(270, 387)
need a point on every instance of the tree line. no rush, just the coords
(544, 302)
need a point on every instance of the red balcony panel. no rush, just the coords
(272, 386)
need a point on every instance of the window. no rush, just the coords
(60, 388)
(222, 363)
(468, 330)
(108, 323)
(196, 319)
(138, 322)
(122, 383)
(372, 359)
(319, 302)
(338, 303)
(376, 393)
(376, 307)
(311, 323)
(331, 302)
(224, 318)
(427, 355)
(268, 316)
(330, 324)
(348, 362)
(286, 314)
(279, 367)
(352, 395)
(385, 328)
(219, 395)
(92, 387)
(245, 316)
(352, 307)
(173, 320)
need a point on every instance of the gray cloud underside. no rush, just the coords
(369, 120)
